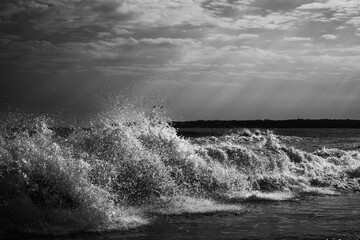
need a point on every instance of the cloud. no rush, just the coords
(229, 38)
(121, 31)
(279, 5)
(272, 21)
(297, 39)
(354, 21)
(6, 39)
(333, 11)
(196, 41)
(225, 8)
(170, 41)
(244, 36)
(131, 33)
(11, 8)
(329, 36)
(112, 10)
(220, 37)
(314, 6)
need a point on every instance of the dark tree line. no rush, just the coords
(293, 123)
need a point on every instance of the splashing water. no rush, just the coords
(132, 165)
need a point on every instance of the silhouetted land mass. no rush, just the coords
(293, 123)
(262, 124)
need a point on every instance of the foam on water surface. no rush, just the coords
(131, 166)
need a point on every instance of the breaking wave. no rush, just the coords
(131, 166)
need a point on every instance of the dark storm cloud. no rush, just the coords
(65, 18)
(21, 10)
(111, 10)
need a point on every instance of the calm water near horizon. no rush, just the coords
(308, 139)
(311, 139)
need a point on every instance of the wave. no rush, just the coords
(131, 166)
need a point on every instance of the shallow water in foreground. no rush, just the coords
(320, 217)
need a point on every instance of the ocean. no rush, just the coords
(132, 176)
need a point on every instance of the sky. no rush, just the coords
(200, 59)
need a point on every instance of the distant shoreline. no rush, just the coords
(208, 126)
(292, 123)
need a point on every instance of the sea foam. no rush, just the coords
(130, 166)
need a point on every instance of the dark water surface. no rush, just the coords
(326, 217)
(310, 139)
